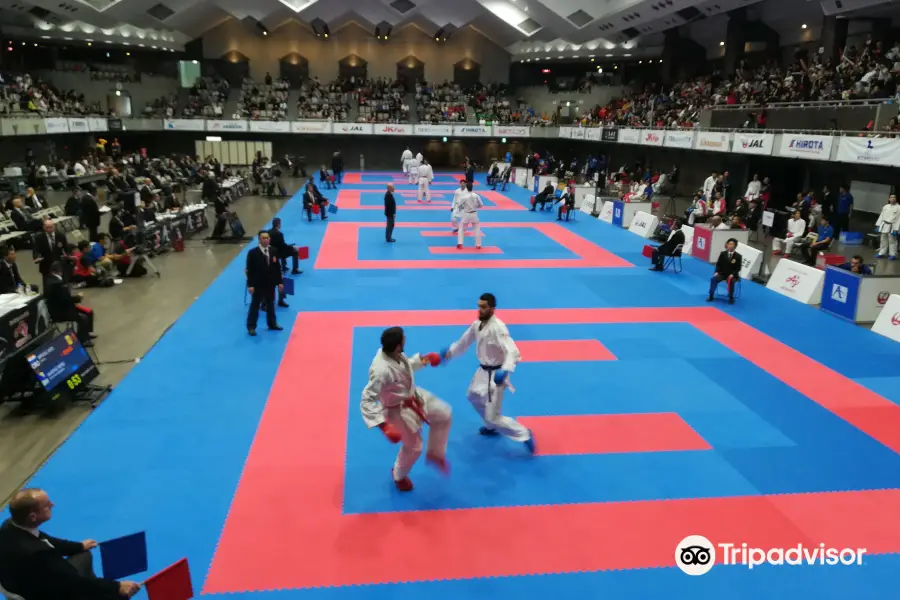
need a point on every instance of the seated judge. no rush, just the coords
(21, 218)
(547, 195)
(33, 201)
(64, 306)
(10, 280)
(854, 266)
(667, 248)
(566, 204)
(728, 269)
(37, 566)
(282, 248)
(312, 196)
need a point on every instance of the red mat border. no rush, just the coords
(340, 250)
(298, 456)
(350, 200)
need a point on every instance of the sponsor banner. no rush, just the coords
(702, 243)
(392, 129)
(443, 130)
(806, 146)
(97, 124)
(184, 125)
(610, 134)
(798, 281)
(226, 125)
(311, 127)
(566, 132)
(841, 293)
(578, 133)
(471, 131)
(57, 125)
(78, 126)
(888, 321)
(511, 131)
(870, 151)
(688, 239)
(270, 126)
(643, 224)
(593, 134)
(630, 136)
(874, 293)
(352, 128)
(679, 139)
(606, 212)
(652, 137)
(750, 260)
(753, 143)
(714, 141)
(587, 204)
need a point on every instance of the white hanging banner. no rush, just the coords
(226, 125)
(270, 126)
(714, 141)
(869, 151)
(679, 139)
(630, 136)
(352, 128)
(184, 125)
(753, 143)
(593, 133)
(442, 130)
(471, 131)
(511, 131)
(311, 127)
(578, 133)
(78, 126)
(97, 124)
(817, 147)
(392, 129)
(56, 125)
(652, 137)
(566, 132)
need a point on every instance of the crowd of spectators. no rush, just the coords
(23, 94)
(441, 103)
(265, 101)
(163, 107)
(206, 98)
(325, 102)
(382, 101)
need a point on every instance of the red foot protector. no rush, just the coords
(464, 250)
(351, 200)
(340, 250)
(609, 434)
(306, 462)
(563, 351)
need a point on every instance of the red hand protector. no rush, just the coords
(433, 358)
(391, 433)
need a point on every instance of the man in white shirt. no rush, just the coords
(888, 225)
(392, 402)
(497, 357)
(753, 188)
(468, 203)
(425, 176)
(796, 227)
(405, 158)
(709, 185)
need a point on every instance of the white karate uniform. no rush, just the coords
(386, 398)
(753, 189)
(469, 203)
(495, 349)
(699, 211)
(454, 207)
(425, 176)
(404, 160)
(888, 222)
(708, 186)
(413, 172)
(796, 227)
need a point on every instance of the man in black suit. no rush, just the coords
(37, 566)
(10, 280)
(312, 196)
(21, 218)
(49, 247)
(263, 274)
(90, 215)
(282, 248)
(64, 306)
(390, 211)
(728, 268)
(668, 247)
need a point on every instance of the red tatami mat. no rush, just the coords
(607, 434)
(563, 351)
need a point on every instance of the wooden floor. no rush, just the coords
(130, 318)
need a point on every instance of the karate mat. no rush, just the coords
(656, 415)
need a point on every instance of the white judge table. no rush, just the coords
(708, 243)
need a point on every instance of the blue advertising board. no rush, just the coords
(840, 293)
(618, 213)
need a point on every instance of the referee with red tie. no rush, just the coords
(263, 274)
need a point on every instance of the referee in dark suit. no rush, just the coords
(263, 274)
(390, 211)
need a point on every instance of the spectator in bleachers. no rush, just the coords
(445, 103)
(381, 101)
(206, 98)
(264, 101)
(325, 102)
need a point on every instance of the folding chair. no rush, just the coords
(737, 290)
(674, 261)
(9, 595)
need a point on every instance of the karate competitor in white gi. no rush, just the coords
(796, 227)
(888, 225)
(426, 176)
(498, 356)
(405, 158)
(414, 168)
(469, 203)
(454, 205)
(392, 402)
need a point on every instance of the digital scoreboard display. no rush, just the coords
(62, 364)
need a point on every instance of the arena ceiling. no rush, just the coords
(526, 28)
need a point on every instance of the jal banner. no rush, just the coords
(352, 128)
(753, 143)
(882, 152)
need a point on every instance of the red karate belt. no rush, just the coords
(417, 408)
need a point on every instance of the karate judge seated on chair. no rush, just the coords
(37, 566)
(667, 249)
(282, 248)
(728, 269)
